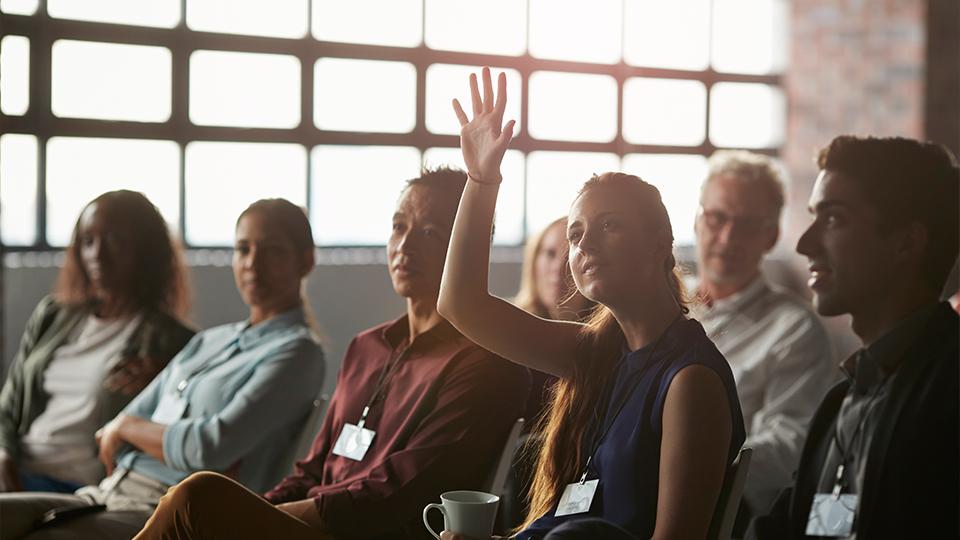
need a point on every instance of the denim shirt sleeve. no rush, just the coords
(281, 386)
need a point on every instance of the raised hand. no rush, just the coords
(484, 139)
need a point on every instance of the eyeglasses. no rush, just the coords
(716, 220)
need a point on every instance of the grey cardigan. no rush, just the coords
(22, 399)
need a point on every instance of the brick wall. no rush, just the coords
(942, 107)
(856, 66)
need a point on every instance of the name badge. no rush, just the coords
(353, 442)
(832, 515)
(577, 498)
(170, 409)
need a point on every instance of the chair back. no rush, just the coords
(299, 445)
(721, 526)
(497, 480)
(310, 427)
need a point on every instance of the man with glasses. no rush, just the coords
(777, 347)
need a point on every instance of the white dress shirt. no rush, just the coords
(783, 364)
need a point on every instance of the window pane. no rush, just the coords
(19, 7)
(80, 169)
(747, 115)
(348, 178)
(446, 81)
(14, 75)
(277, 18)
(465, 25)
(18, 189)
(593, 119)
(364, 95)
(750, 36)
(110, 81)
(244, 90)
(576, 30)
(554, 178)
(650, 24)
(398, 23)
(159, 13)
(508, 228)
(664, 111)
(678, 178)
(223, 178)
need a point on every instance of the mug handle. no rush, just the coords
(426, 523)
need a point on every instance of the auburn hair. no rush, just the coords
(560, 432)
(159, 275)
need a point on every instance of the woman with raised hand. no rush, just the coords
(547, 291)
(645, 419)
(111, 324)
(233, 400)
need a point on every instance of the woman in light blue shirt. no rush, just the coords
(233, 400)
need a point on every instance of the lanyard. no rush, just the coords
(599, 436)
(226, 355)
(385, 374)
(845, 449)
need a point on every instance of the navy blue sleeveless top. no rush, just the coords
(627, 461)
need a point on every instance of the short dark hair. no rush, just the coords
(449, 180)
(907, 181)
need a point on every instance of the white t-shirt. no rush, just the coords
(60, 441)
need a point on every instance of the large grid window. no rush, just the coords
(207, 105)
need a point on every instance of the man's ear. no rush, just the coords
(771, 240)
(910, 242)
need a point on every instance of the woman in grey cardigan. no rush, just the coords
(111, 325)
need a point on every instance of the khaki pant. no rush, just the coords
(211, 506)
(130, 498)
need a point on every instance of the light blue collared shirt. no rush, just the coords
(247, 390)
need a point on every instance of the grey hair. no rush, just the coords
(756, 170)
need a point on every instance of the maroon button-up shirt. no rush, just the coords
(440, 423)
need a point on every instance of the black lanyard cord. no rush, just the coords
(385, 374)
(636, 379)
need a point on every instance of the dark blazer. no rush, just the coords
(911, 486)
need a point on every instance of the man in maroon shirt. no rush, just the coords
(418, 410)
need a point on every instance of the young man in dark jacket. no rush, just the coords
(881, 458)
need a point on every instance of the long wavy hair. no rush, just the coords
(159, 280)
(573, 399)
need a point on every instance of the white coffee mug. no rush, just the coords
(470, 513)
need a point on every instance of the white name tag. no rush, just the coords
(353, 442)
(577, 498)
(831, 515)
(170, 409)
